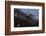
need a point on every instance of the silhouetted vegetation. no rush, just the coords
(24, 20)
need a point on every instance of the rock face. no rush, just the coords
(23, 20)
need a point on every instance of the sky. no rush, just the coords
(34, 12)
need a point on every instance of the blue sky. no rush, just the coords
(34, 12)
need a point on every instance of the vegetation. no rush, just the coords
(24, 20)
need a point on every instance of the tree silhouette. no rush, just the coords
(24, 23)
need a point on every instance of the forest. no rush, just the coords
(21, 19)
